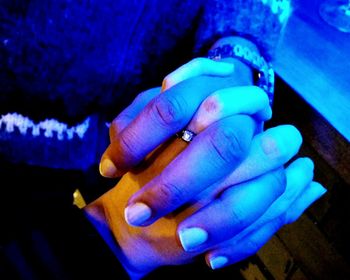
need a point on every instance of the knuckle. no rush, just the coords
(212, 104)
(282, 144)
(171, 194)
(209, 111)
(167, 111)
(227, 145)
(128, 142)
(273, 149)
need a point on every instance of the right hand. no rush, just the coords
(237, 221)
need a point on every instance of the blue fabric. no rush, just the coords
(68, 60)
(72, 59)
(52, 150)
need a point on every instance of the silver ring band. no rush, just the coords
(186, 135)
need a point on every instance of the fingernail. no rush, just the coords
(136, 214)
(218, 262)
(107, 168)
(190, 238)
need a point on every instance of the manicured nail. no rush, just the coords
(218, 262)
(190, 238)
(136, 214)
(107, 168)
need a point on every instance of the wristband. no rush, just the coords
(264, 73)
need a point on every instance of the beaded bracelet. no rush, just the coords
(265, 76)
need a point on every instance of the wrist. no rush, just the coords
(243, 70)
(245, 55)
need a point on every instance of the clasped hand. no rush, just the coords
(223, 195)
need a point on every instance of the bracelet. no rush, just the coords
(265, 75)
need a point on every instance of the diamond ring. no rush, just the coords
(186, 135)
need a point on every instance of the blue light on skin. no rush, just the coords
(191, 238)
(218, 262)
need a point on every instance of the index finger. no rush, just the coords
(162, 118)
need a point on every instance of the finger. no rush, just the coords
(309, 196)
(235, 250)
(197, 67)
(130, 112)
(265, 114)
(216, 151)
(268, 151)
(299, 175)
(161, 119)
(234, 210)
(232, 252)
(226, 102)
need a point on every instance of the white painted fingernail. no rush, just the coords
(107, 168)
(218, 262)
(136, 214)
(191, 238)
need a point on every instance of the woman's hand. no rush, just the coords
(224, 135)
(226, 223)
(226, 209)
